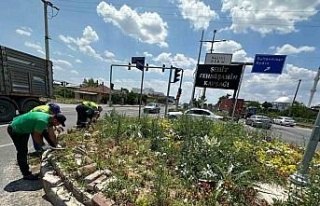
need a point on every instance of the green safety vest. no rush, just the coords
(91, 105)
(41, 108)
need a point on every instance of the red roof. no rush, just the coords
(100, 89)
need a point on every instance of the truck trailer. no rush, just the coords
(25, 80)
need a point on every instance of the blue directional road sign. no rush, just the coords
(269, 64)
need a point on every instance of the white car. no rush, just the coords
(196, 113)
(151, 107)
(285, 121)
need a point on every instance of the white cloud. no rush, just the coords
(269, 16)
(89, 36)
(197, 13)
(109, 55)
(289, 49)
(74, 72)
(147, 54)
(24, 31)
(268, 87)
(177, 60)
(62, 63)
(78, 61)
(34, 46)
(146, 27)
(230, 47)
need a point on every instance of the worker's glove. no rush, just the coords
(46, 147)
(59, 129)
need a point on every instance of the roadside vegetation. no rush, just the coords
(188, 162)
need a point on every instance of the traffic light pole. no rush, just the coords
(179, 90)
(168, 91)
(141, 88)
(142, 80)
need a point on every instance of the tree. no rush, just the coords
(253, 104)
(267, 105)
(90, 83)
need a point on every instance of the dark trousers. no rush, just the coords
(20, 141)
(83, 113)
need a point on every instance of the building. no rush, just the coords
(282, 103)
(148, 91)
(95, 94)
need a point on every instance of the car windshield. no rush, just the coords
(151, 104)
(262, 117)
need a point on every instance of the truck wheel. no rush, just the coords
(28, 105)
(7, 110)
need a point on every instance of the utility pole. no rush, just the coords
(195, 73)
(46, 29)
(313, 90)
(294, 98)
(46, 35)
(211, 50)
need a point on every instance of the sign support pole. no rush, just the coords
(141, 89)
(300, 177)
(239, 87)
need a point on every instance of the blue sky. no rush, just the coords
(87, 36)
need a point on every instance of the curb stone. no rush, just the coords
(61, 190)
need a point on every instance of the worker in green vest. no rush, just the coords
(87, 110)
(33, 123)
(52, 109)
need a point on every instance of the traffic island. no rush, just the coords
(125, 161)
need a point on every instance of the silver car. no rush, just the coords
(284, 121)
(259, 121)
(195, 113)
(152, 107)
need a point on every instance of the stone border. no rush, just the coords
(63, 191)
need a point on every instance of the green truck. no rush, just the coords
(25, 80)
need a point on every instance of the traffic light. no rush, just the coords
(112, 86)
(176, 74)
(147, 67)
(163, 67)
(129, 66)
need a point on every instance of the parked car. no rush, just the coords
(195, 113)
(152, 107)
(259, 121)
(285, 121)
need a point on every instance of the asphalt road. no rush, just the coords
(14, 191)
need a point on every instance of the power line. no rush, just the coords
(175, 7)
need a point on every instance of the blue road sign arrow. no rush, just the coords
(269, 64)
